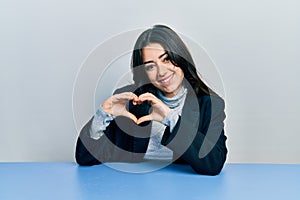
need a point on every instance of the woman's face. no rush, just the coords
(160, 70)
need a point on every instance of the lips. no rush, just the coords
(166, 81)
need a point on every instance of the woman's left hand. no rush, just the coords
(159, 109)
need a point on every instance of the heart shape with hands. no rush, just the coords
(116, 106)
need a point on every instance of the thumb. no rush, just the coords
(131, 116)
(144, 118)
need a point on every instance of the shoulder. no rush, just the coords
(213, 108)
(211, 101)
(208, 104)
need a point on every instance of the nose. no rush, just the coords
(161, 70)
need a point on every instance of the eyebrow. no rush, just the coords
(150, 61)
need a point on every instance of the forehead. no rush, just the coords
(152, 50)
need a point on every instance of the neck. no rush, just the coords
(175, 100)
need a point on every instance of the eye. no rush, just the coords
(166, 59)
(149, 67)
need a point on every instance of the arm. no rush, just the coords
(101, 139)
(95, 142)
(91, 151)
(82, 155)
(206, 152)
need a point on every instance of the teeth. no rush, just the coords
(166, 80)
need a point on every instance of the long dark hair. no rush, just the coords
(178, 54)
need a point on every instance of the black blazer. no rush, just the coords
(197, 139)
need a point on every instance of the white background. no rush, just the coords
(255, 45)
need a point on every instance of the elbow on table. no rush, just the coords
(86, 160)
(208, 171)
(213, 163)
(80, 161)
(211, 167)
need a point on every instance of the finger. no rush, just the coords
(131, 116)
(147, 94)
(136, 101)
(144, 118)
(134, 97)
(130, 96)
(126, 96)
(148, 97)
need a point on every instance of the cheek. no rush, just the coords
(180, 74)
(151, 76)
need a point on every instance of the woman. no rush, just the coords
(167, 114)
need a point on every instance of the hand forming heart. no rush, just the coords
(116, 106)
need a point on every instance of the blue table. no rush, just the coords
(69, 181)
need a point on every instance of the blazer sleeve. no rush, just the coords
(90, 151)
(115, 145)
(203, 146)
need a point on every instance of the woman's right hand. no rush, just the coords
(116, 105)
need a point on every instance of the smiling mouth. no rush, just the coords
(166, 81)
